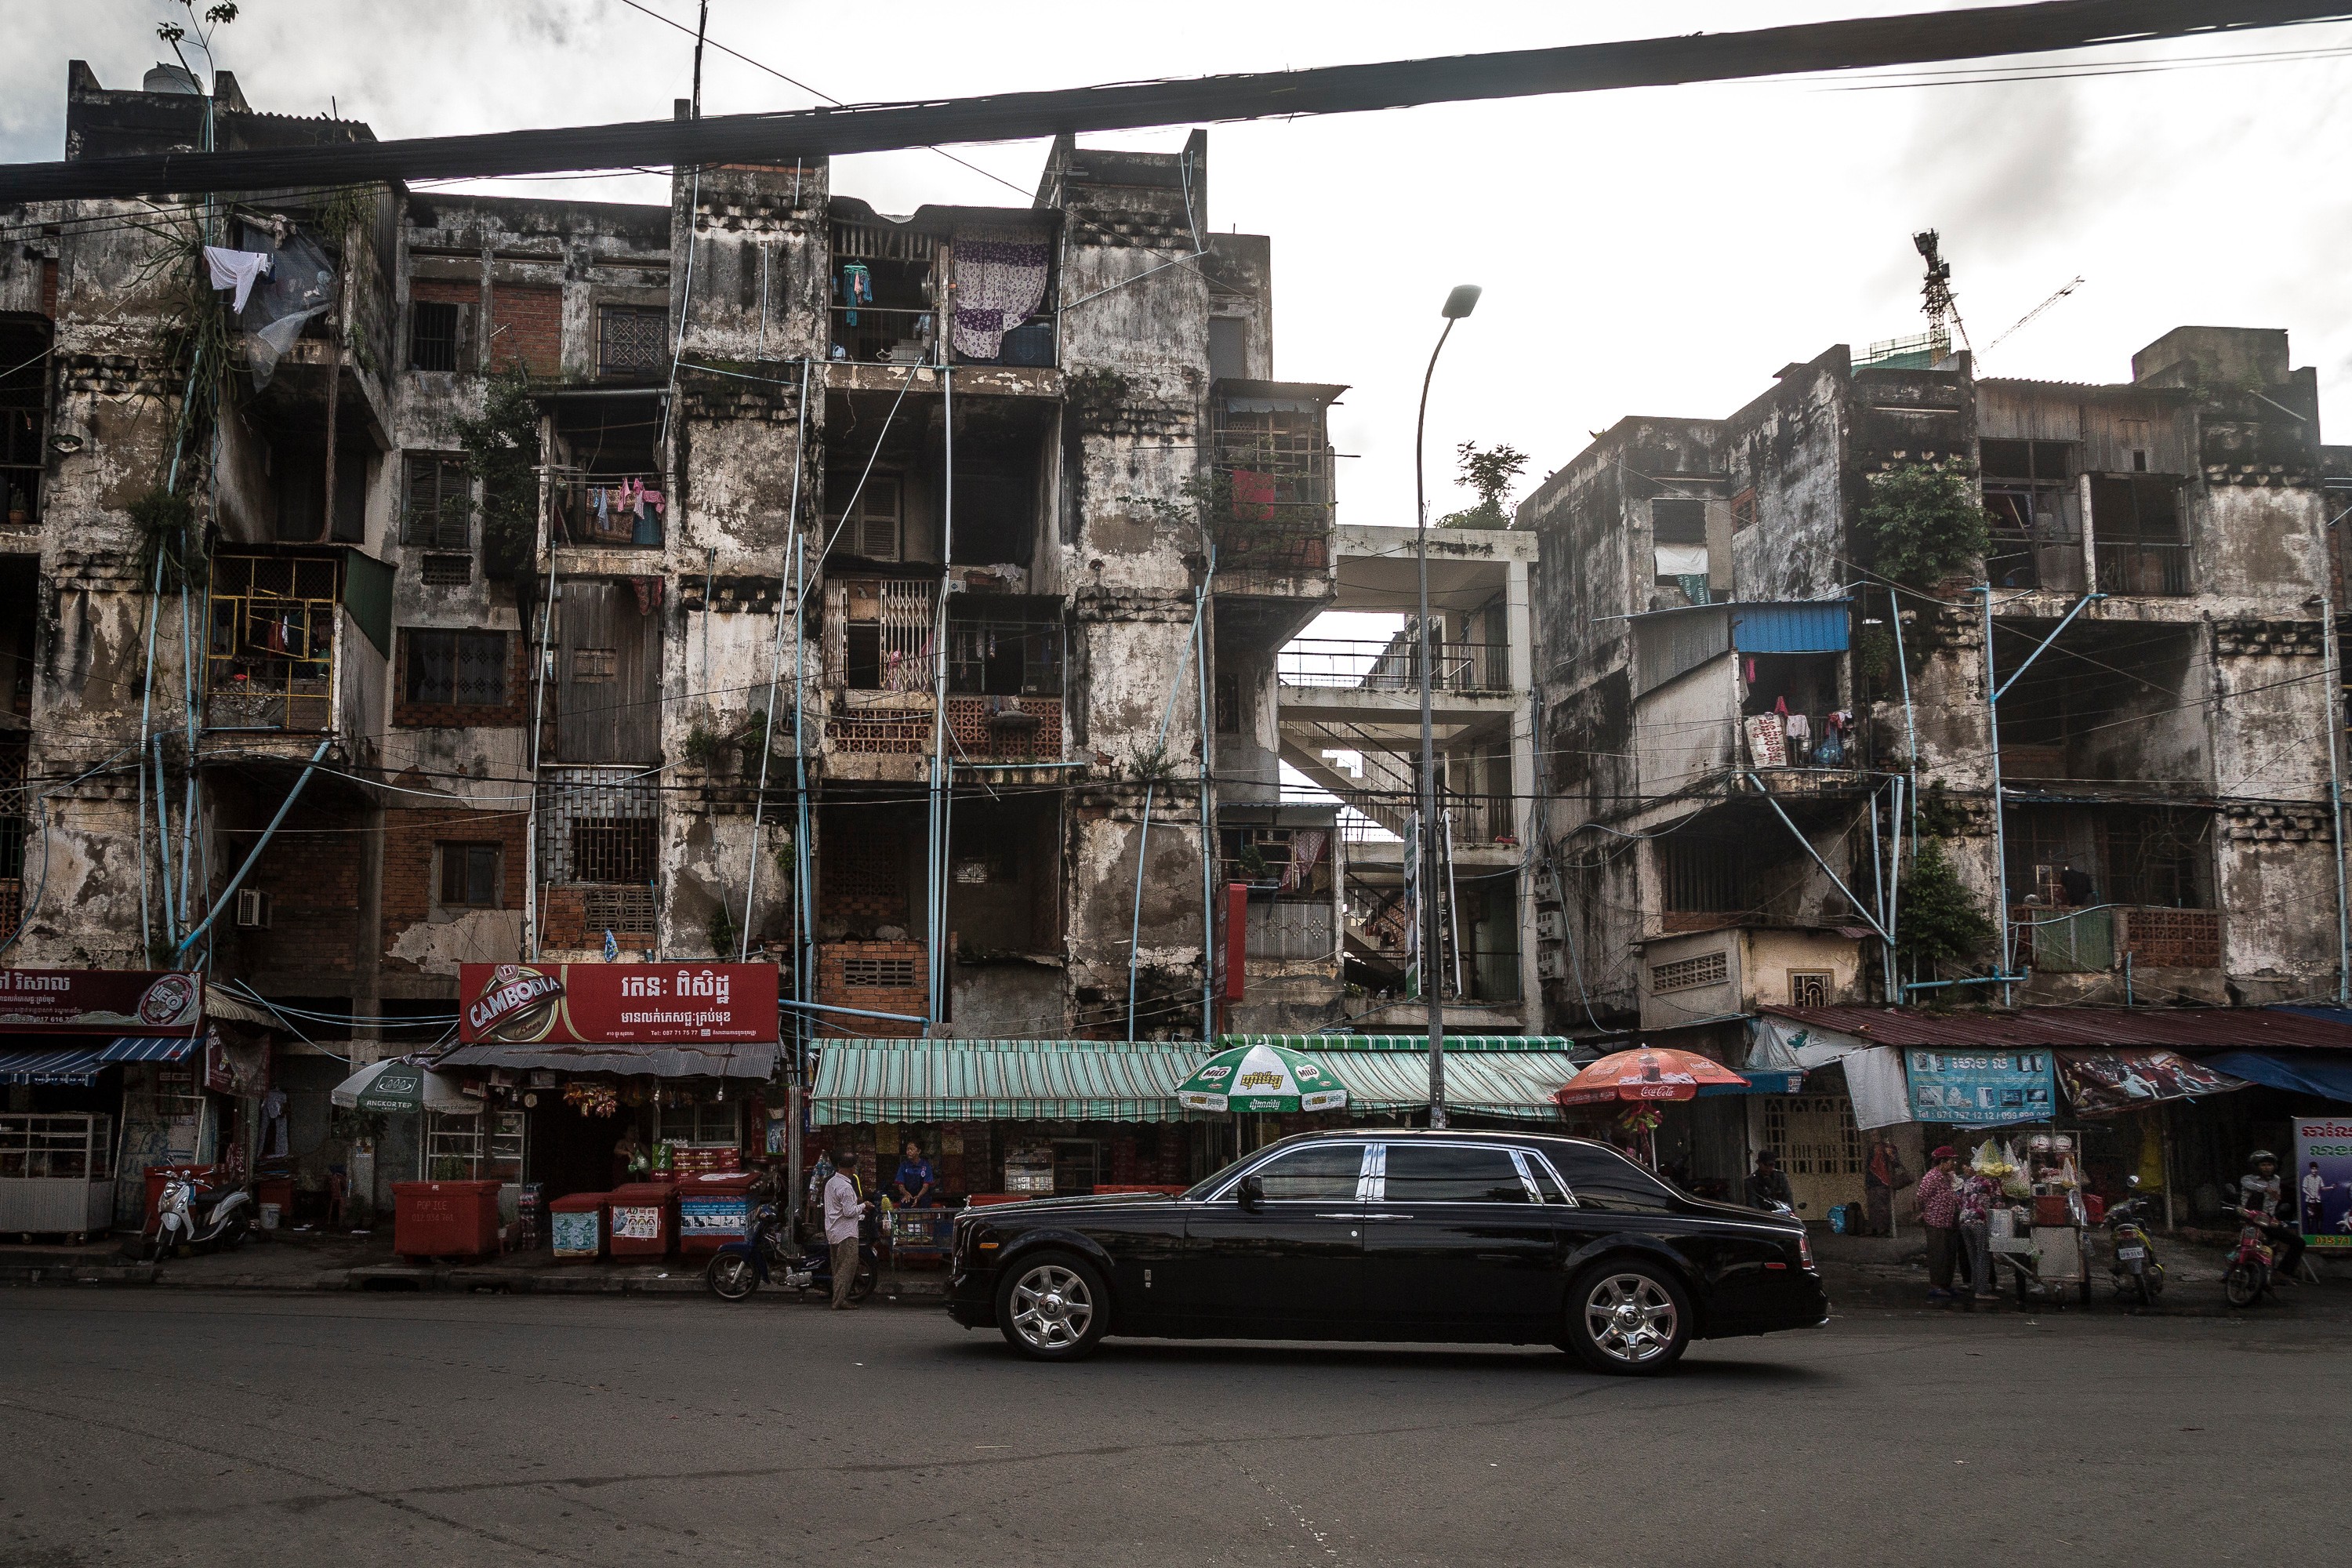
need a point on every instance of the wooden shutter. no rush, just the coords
(611, 673)
(876, 528)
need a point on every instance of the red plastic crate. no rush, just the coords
(445, 1219)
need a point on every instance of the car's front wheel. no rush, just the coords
(1052, 1307)
(1628, 1318)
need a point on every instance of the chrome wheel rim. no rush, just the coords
(1052, 1307)
(1630, 1318)
(733, 1276)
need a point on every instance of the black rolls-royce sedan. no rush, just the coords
(1513, 1238)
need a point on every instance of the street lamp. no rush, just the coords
(1458, 304)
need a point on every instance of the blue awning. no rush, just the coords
(147, 1048)
(56, 1064)
(2327, 1074)
(1760, 1080)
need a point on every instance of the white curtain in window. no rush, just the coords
(1000, 281)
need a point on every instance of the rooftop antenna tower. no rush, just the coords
(1942, 310)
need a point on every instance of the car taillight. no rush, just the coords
(1805, 1251)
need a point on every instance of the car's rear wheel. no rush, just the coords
(1052, 1307)
(1627, 1317)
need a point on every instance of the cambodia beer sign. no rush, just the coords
(101, 1002)
(616, 1004)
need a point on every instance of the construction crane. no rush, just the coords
(2029, 315)
(1936, 295)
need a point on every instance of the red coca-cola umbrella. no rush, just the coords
(1643, 1074)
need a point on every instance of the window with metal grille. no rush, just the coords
(1706, 969)
(469, 875)
(632, 340)
(270, 647)
(624, 911)
(1743, 509)
(613, 850)
(433, 335)
(1814, 1134)
(446, 571)
(879, 973)
(1702, 876)
(465, 670)
(1808, 988)
(438, 502)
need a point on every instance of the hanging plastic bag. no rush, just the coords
(299, 288)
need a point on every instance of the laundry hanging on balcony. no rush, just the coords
(236, 269)
(1000, 281)
(856, 288)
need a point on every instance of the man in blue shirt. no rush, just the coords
(914, 1185)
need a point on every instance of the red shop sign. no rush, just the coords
(101, 1002)
(616, 1004)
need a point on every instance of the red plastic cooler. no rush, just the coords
(578, 1227)
(644, 1219)
(713, 1210)
(445, 1219)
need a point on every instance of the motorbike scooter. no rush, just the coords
(2248, 1276)
(739, 1267)
(2136, 1270)
(199, 1219)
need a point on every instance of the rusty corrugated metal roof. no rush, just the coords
(2175, 1028)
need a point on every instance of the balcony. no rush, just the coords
(865, 334)
(270, 645)
(1392, 665)
(2097, 940)
(608, 512)
(2156, 570)
(597, 837)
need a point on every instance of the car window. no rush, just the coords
(1423, 1174)
(1547, 1185)
(1322, 1172)
(1610, 1181)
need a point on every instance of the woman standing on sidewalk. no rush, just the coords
(1938, 1200)
(1978, 1195)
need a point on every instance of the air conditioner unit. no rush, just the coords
(252, 909)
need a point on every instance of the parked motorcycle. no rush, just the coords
(739, 1267)
(2248, 1276)
(189, 1219)
(2136, 1269)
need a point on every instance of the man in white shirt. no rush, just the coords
(842, 1210)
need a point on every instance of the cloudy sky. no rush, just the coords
(1662, 251)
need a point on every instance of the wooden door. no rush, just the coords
(610, 670)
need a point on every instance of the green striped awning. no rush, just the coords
(864, 1080)
(1409, 1043)
(1000, 1080)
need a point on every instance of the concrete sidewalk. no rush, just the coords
(289, 1260)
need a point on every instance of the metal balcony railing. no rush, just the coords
(608, 512)
(2161, 570)
(866, 335)
(1393, 665)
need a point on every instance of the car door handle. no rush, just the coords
(1387, 1217)
(1350, 1214)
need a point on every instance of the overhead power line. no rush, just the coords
(1976, 34)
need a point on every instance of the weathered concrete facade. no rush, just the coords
(2163, 760)
(943, 490)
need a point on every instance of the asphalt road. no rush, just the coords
(169, 1427)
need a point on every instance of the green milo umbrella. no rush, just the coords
(1261, 1078)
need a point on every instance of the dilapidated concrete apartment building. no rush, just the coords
(1741, 713)
(752, 572)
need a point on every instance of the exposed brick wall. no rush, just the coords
(312, 872)
(833, 985)
(410, 715)
(408, 874)
(563, 921)
(526, 325)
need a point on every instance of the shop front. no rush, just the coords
(593, 1078)
(104, 1075)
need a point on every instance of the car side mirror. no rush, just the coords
(1253, 1193)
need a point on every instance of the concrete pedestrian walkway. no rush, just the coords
(291, 1260)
